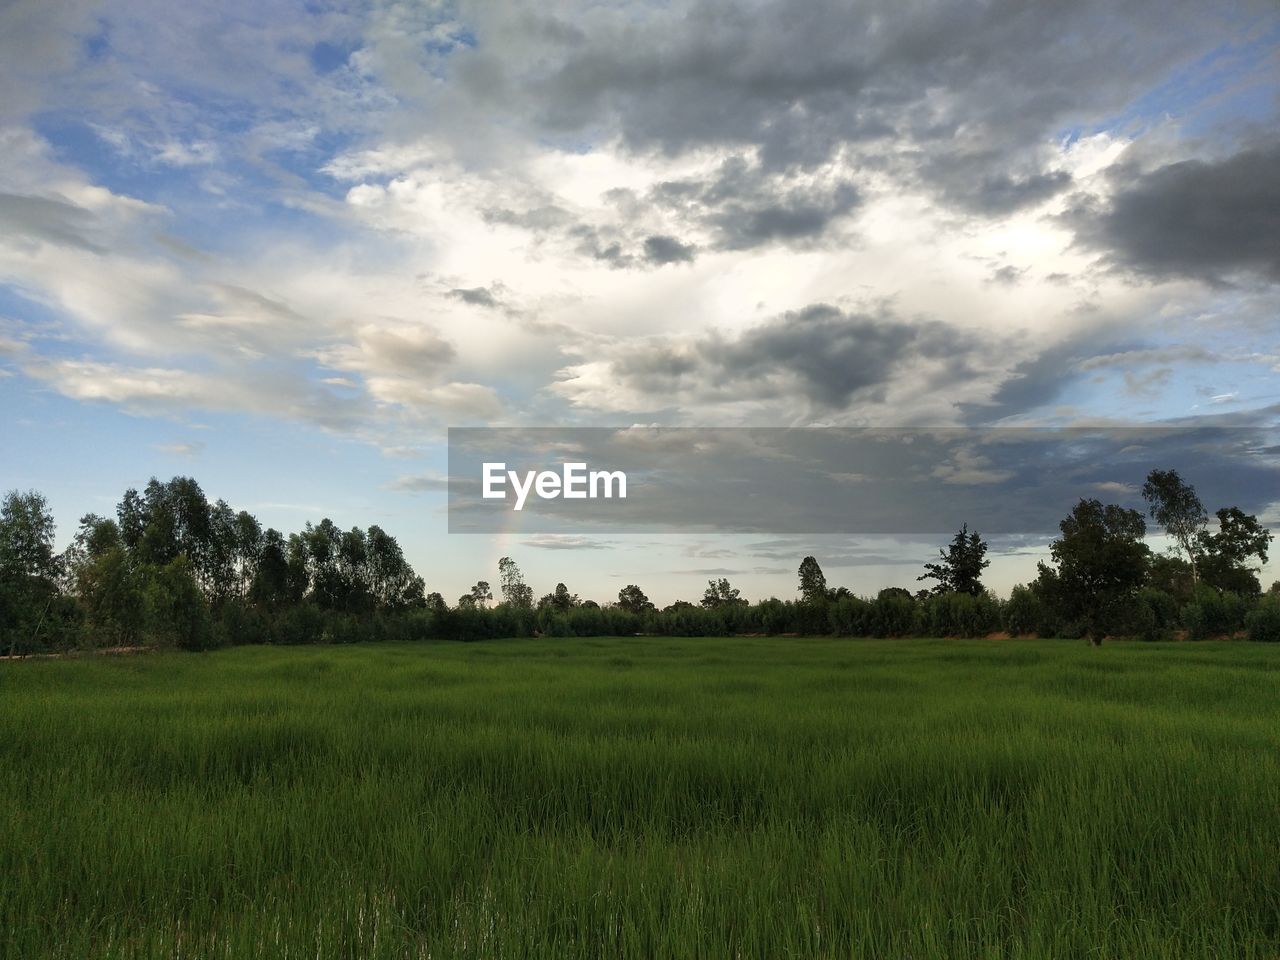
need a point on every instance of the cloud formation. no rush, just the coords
(1211, 220)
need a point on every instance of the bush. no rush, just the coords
(893, 614)
(1263, 621)
(303, 623)
(959, 615)
(238, 623)
(1214, 614)
(176, 614)
(1023, 612)
(850, 617)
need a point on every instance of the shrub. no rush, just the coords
(959, 615)
(1023, 612)
(1214, 613)
(893, 614)
(1263, 621)
(850, 617)
(176, 614)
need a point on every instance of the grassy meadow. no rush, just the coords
(646, 798)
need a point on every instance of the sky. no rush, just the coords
(283, 247)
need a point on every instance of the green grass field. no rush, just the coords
(742, 798)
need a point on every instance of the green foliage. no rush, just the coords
(849, 617)
(515, 592)
(176, 614)
(1263, 621)
(893, 614)
(1214, 614)
(1172, 576)
(1025, 613)
(632, 599)
(29, 572)
(1226, 556)
(1156, 615)
(720, 594)
(1101, 563)
(1174, 505)
(956, 614)
(959, 567)
(110, 588)
(813, 583)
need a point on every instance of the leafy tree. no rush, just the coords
(391, 579)
(720, 594)
(479, 596)
(1225, 556)
(29, 568)
(353, 558)
(560, 600)
(1101, 562)
(515, 592)
(168, 520)
(176, 611)
(248, 539)
(813, 585)
(1172, 575)
(270, 584)
(317, 550)
(1174, 505)
(110, 589)
(960, 566)
(222, 554)
(632, 599)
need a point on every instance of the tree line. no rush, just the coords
(173, 569)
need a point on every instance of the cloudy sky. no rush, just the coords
(282, 247)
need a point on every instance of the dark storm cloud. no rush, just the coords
(1006, 276)
(745, 206)
(612, 247)
(824, 354)
(661, 249)
(740, 206)
(988, 182)
(539, 218)
(1000, 193)
(1207, 220)
(1036, 381)
(602, 244)
(978, 89)
(476, 296)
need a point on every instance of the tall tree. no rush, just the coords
(1173, 504)
(959, 567)
(1101, 563)
(270, 585)
(515, 592)
(632, 599)
(559, 600)
(813, 584)
(480, 594)
(1225, 556)
(29, 567)
(720, 594)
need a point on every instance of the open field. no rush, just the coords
(755, 798)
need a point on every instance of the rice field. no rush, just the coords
(645, 798)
